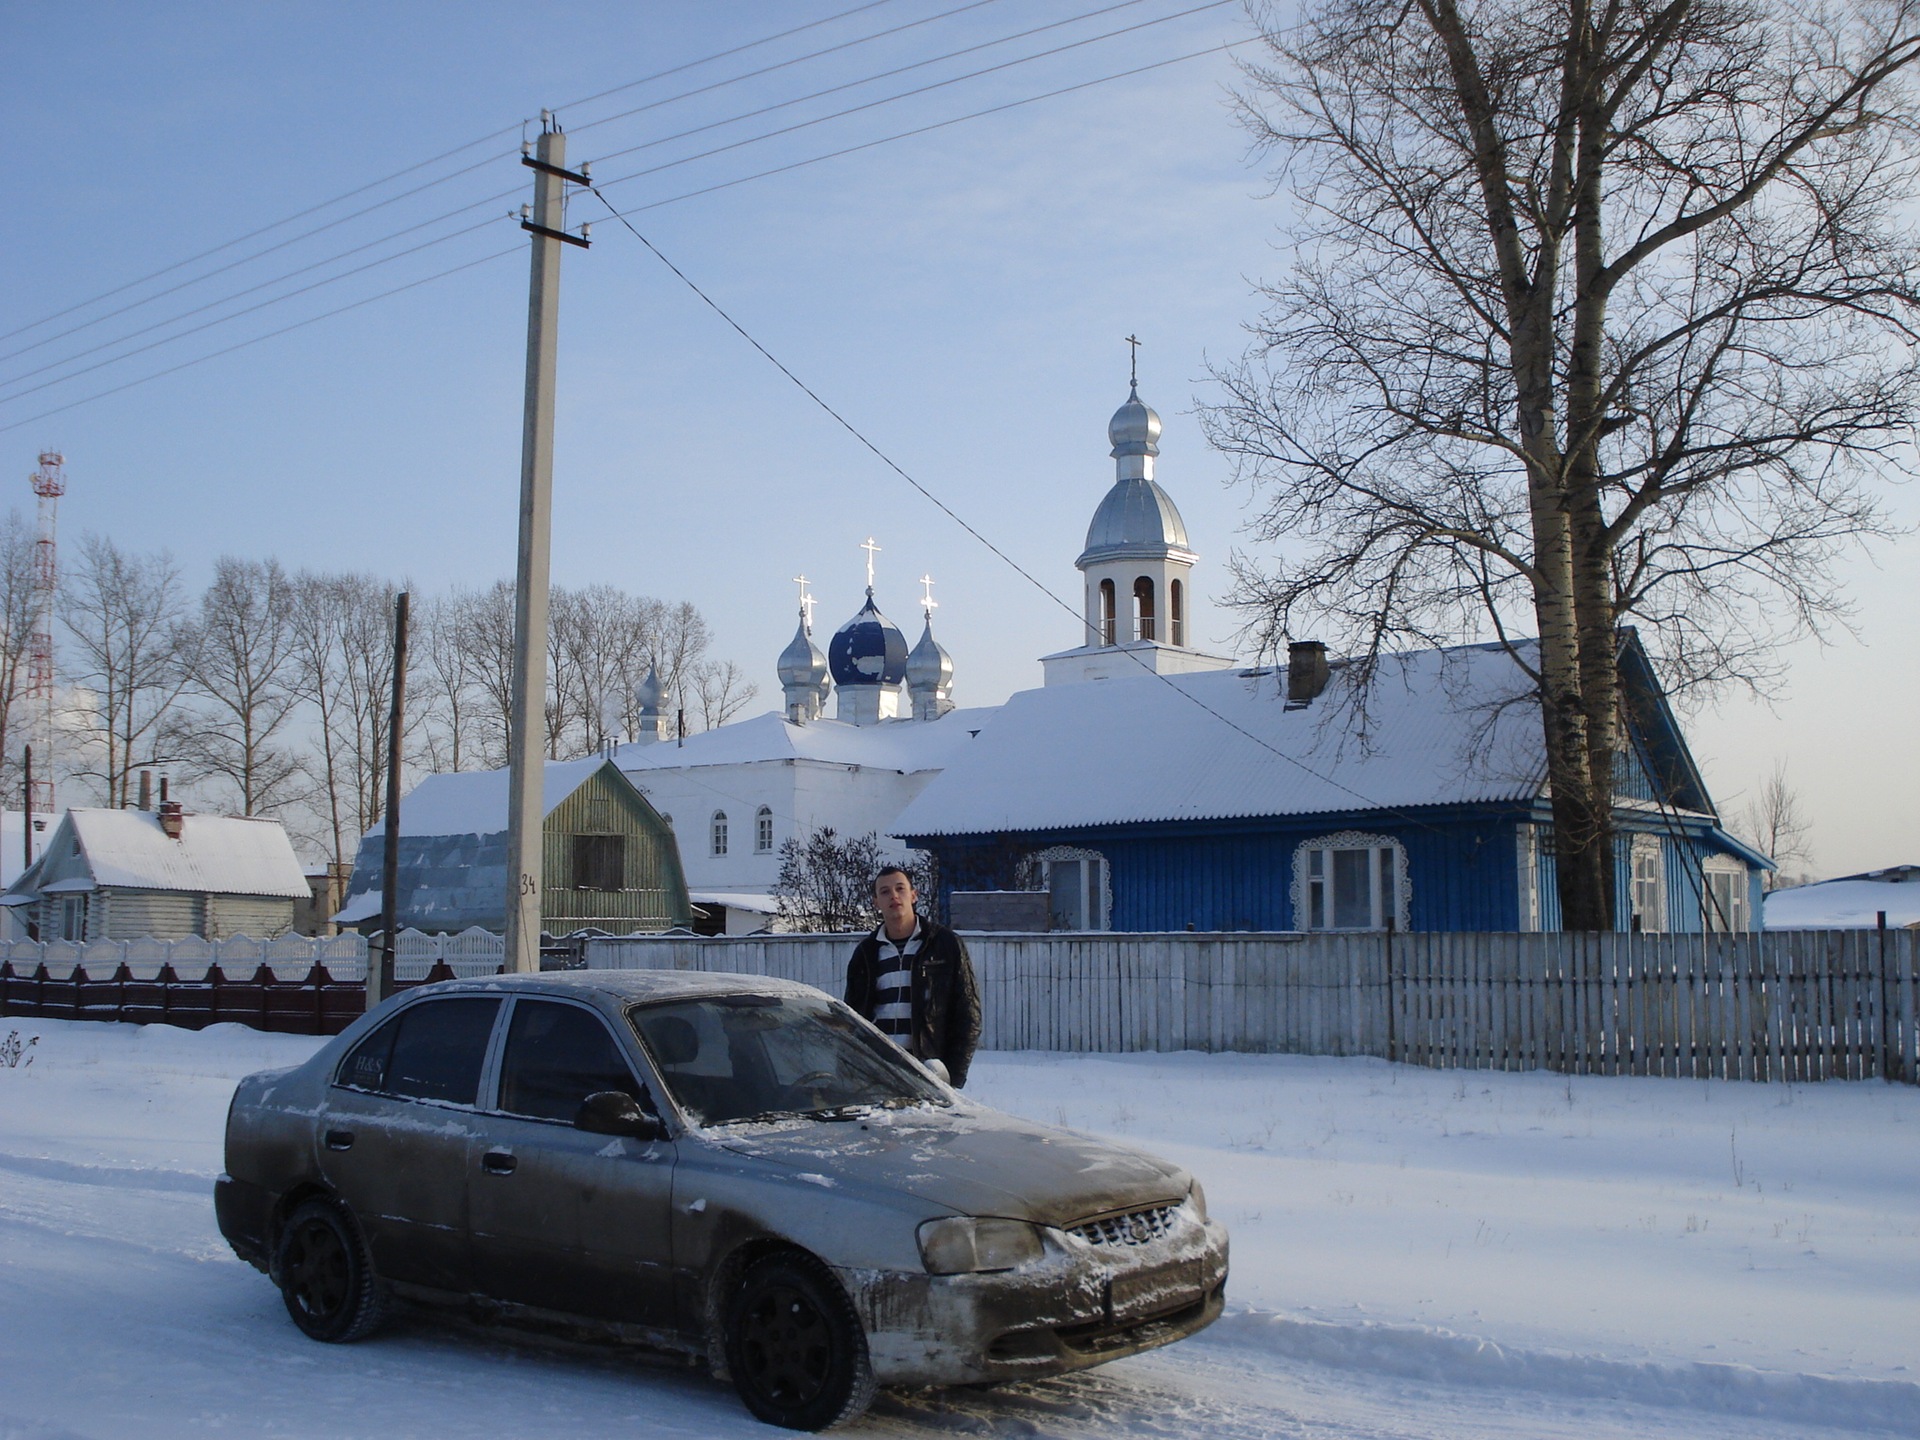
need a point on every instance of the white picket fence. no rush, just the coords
(1777, 1006)
(289, 957)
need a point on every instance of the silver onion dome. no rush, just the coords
(646, 694)
(1134, 429)
(1135, 517)
(929, 667)
(801, 663)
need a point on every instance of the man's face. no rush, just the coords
(893, 896)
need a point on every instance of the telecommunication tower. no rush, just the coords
(49, 484)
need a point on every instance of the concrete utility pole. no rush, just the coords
(528, 741)
(380, 974)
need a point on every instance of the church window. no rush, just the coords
(1176, 612)
(1106, 612)
(1649, 884)
(1079, 894)
(1143, 609)
(1725, 895)
(1350, 881)
(763, 832)
(719, 846)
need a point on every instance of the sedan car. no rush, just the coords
(737, 1168)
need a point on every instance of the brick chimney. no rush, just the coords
(172, 819)
(1306, 670)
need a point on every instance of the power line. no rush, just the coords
(423, 164)
(270, 335)
(508, 194)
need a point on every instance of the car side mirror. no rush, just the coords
(613, 1112)
(937, 1069)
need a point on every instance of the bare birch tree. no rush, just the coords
(123, 613)
(1600, 313)
(239, 659)
(1777, 824)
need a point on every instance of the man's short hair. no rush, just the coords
(886, 870)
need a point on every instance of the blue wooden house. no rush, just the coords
(1294, 799)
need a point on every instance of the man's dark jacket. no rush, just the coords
(946, 1001)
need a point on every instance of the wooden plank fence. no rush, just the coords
(1782, 1005)
(1795, 1006)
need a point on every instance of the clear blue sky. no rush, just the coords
(962, 296)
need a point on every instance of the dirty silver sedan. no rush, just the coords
(732, 1167)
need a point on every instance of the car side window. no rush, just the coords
(556, 1056)
(430, 1051)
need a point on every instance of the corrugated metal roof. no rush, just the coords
(1444, 727)
(905, 745)
(215, 854)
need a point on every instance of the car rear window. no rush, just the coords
(738, 1057)
(430, 1051)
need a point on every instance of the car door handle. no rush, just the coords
(498, 1162)
(339, 1139)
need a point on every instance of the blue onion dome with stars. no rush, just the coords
(868, 650)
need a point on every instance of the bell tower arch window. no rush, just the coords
(1106, 612)
(1176, 612)
(1143, 608)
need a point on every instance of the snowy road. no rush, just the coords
(123, 1314)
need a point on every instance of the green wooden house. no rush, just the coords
(609, 861)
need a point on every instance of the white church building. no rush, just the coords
(737, 793)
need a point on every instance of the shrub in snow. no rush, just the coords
(13, 1048)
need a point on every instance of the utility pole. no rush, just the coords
(528, 739)
(380, 975)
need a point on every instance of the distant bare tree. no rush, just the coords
(17, 620)
(123, 613)
(721, 690)
(240, 664)
(442, 683)
(1778, 826)
(826, 881)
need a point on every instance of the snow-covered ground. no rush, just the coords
(1416, 1253)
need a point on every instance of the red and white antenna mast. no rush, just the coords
(49, 483)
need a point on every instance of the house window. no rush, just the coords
(599, 862)
(1106, 612)
(1079, 895)
(1176, 612)
(73, 917)
(1649, 884)
(1350, 881)
(1725, 895)
(763, 832)
(1143, 609)
(719, 846)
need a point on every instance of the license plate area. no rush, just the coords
(1149, 1292)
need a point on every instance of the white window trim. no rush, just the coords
(1527, 857)
(1742, 889)
(717, 833)
(1401, 900)
(1099, 897)
(1653, 921)
(763, 831)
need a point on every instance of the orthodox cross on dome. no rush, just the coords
(1133, 361)
(927, 602)
(872, 550)
(807, 602)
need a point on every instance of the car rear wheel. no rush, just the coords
(326, 1276)
(794, 1345)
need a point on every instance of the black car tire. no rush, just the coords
(795, 1347)
(326, 1276)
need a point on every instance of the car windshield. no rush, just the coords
(728, 1058)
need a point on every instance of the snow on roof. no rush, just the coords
(1848, 903)
(904, 745)
(756, 901)
(474, 802)
(215, 854)
(1447, 726)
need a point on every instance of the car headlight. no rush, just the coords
(962, 1245)
(1197, 1202)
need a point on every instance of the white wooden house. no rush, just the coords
(123, 874)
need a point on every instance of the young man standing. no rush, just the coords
(913, 979)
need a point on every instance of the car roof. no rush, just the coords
(620, 986)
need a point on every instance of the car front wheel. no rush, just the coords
(794, 1345)
(325, 1275)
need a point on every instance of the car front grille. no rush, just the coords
(1136, 1227)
